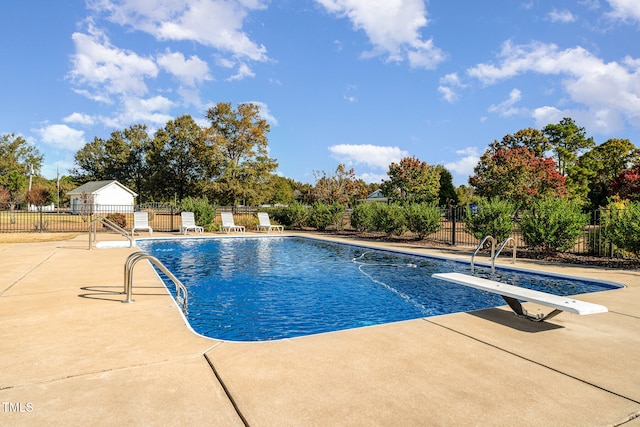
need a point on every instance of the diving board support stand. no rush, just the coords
(514, 294)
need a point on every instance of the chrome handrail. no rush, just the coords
(484, 239)
(502, 245)
(112, 225)
(130, 263)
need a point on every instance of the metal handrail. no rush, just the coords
(484, 239)
(132, 260)
(502, 245)
(112, 225)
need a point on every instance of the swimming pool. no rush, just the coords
(266, 288)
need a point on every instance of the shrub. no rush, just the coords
(292, 216)
(362, 217)
(389, 218)
(423, 218)
(322, 215)
(203, 211)
(494, 217)
(621, 226)
(553, 224)
(118, 219)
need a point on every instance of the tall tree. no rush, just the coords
(337, 188)
(567, 142)
(530, 138)
(517, 175)
(90, 162)
(447, 195)
(18, 159)
(412, 180)
(176, 160)
(239, 161)
(603, 164)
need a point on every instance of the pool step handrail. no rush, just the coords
(500, 248)
(182, 296)
(484, 239)
(110, 224)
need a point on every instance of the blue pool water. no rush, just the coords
(266, 288)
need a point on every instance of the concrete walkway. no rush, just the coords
(72, 354)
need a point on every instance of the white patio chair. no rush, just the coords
(265, 223)
(141, 222)
(189, 223)
(228, 225)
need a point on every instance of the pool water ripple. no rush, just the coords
(266, 288)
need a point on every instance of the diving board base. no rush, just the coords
(514, 294)
(520, 311)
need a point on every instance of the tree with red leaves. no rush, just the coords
(517, 175)
(627, 185)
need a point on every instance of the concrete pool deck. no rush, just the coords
(73, 354)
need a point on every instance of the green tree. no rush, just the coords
(18, 159)
(567, 142)
(175, 160)
(532, 139)
(281, 190)
(412, 180)
(517, 175)
(239, 162)
(447, 195)
(90, 162)
(603, 164)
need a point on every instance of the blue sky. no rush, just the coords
(359, 82)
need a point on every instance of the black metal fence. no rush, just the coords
(167, 218)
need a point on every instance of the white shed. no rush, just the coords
(102, 197)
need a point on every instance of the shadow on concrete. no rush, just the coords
(510, 320)
(114, 293)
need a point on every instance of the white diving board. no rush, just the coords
(512, 294)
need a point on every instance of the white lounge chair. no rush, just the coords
(189, 223)
(265, 223)
(228, 225)
(141, 222)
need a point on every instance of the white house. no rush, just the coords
(102, 197)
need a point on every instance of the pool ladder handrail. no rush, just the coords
(132, 260)
(484, 239)
(502, 246)
(110, 224)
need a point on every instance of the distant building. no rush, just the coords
(376, 196)
(102, 197)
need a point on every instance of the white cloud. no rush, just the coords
(213, 23)
(448, 85)
(62, 137)
(190, 71)
(625, 10)
(265, 113)
(597, 88)
(562, 16)
(79, 118)
(244, 71)
(506, 108)
(393, 27)
(108, 69)
(469, 158)
(372, 177)
(374, 156)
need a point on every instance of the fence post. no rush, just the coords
(453, 225)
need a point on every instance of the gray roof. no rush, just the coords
(93, 187)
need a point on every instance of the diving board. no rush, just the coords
(512, 295)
